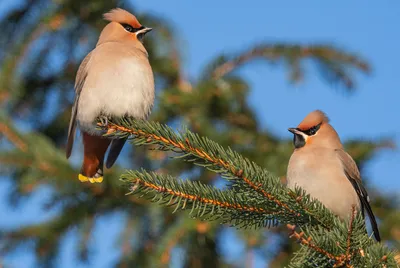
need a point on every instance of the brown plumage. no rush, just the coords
(114, 79)
(324, 170)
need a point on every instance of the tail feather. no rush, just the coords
(95, 148)
(83, 178)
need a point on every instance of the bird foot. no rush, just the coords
(103, 121)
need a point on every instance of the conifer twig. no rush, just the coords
(350, 232)
(12, 137)
(345, 259)
(339, 261)
(193, 197)
(298, 201)
(334, 62)
(166, 254)
(307, 242)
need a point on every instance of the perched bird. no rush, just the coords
(114, 79)
(321, 167)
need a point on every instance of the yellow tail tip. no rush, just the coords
(98, 180)
(83, 178)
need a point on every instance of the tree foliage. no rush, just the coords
(41, 46)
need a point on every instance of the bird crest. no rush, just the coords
(312, 119)
(122, 16)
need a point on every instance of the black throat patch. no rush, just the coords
(298, 141)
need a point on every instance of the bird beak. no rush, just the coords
(294, 130)
(142, 32)
(145, 30)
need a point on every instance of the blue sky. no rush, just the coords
(207, 28)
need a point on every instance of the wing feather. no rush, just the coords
(353, 175)
(115, 149)
(79, 83)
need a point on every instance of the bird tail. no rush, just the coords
(95, 148)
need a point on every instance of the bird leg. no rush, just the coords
(103, 121)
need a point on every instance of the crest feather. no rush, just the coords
(122, 16)
(312, 119)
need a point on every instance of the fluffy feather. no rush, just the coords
(119, 82)
(320, 173)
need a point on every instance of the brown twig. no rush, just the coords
(340, 260)
(307, 242)
(350, 231)
(12, 137)
(165, 256)
(345, 259)
(298, 201)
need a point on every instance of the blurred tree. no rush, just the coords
(41, 46)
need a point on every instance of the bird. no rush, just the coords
(115, 79)
(320, 165)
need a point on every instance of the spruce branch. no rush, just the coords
(245, 176)
(307, 241)
(347, 245)
(171, 238)
(11, 134)
(241, 172)
(313, 208)
(203, 201)
(349, 233)
(334, 63)
(338, 261)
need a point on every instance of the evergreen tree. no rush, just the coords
(39, 57)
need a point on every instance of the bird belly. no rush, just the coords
(332, 189)
(126, 88)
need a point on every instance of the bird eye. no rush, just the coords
(129, 28)
(312, 131)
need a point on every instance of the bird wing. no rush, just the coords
(353, 175)
(79, 82)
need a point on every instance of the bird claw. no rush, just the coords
(103, 121)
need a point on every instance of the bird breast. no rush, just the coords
(119, 82)
(320, 173)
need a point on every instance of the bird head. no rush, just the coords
(315, 130)
(123, 27)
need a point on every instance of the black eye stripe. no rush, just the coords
(312, 131)
(130, 28)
